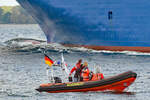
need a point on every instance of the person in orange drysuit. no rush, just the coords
(98, 75)
(85, 72)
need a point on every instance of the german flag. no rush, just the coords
(48, 60)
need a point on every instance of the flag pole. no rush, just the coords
(50, 78)
(50, 64)
(52, 75)
(47, 72)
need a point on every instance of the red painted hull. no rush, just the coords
(113, 48)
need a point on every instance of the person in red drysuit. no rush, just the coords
(78, 68)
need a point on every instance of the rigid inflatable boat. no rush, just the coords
(116, 83)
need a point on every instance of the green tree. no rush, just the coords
(20, 16)
(16, 15)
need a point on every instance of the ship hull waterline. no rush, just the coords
(112, 48)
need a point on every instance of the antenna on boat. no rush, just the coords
(63, 65)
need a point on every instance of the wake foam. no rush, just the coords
(34, 45)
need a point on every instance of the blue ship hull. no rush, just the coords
(113, 24)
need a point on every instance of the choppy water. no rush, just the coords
(22, 67)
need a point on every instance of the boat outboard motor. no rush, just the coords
(57, 80)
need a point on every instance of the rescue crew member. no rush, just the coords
(99, 75)
(78, 68)
(85, 72)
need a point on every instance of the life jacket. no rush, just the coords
(98, 76)
(85, 74)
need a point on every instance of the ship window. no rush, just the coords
(110, 15)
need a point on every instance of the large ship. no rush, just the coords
(116, 25)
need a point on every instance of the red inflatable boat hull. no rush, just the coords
(116, 83)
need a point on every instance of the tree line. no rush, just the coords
(16, 15)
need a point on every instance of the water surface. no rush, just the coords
(22, 67)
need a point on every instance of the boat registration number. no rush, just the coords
(75, 84)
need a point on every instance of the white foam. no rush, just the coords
(25, 44)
